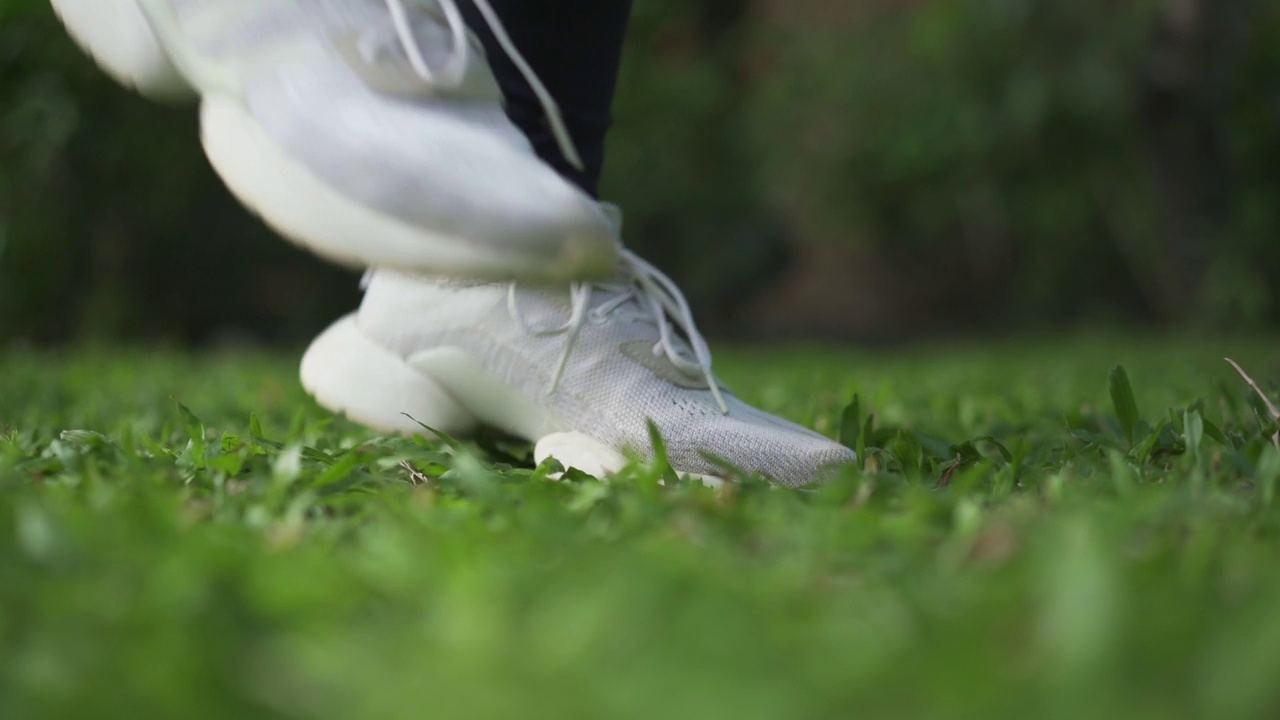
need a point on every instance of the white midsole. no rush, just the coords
(444, 390)
(311, 213)
(349, 374)
(573, 450)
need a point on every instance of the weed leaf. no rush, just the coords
(851, 424)
(1122, 400)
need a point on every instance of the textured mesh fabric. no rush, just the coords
(604, 393)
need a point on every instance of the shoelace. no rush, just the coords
(659, 300)
(456, 70)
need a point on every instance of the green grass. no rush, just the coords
(189, 537)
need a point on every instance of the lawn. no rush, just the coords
(188, 536)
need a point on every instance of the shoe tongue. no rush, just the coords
(553, 304)
(552, 307)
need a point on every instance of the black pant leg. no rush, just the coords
(575, 47)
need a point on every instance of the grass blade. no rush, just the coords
(1193, 432)
(1266, 400)
(851, 424)
(1122, 399)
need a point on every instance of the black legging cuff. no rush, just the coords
(575, 47)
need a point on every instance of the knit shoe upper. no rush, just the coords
(597, 360)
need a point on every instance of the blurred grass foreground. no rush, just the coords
(860, 168)
(1031, 535)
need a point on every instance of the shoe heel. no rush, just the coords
(349, 374)
(117, 35)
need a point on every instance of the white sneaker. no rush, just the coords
(575, 371)
(370, 131)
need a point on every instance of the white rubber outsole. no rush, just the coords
(351, 375)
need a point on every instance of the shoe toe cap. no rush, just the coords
(787, 454)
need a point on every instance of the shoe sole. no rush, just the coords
(350, 374)
(291, 200)
(312, 214)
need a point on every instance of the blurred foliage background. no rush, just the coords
(874, 169)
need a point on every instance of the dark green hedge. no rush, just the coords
(1002, 163)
